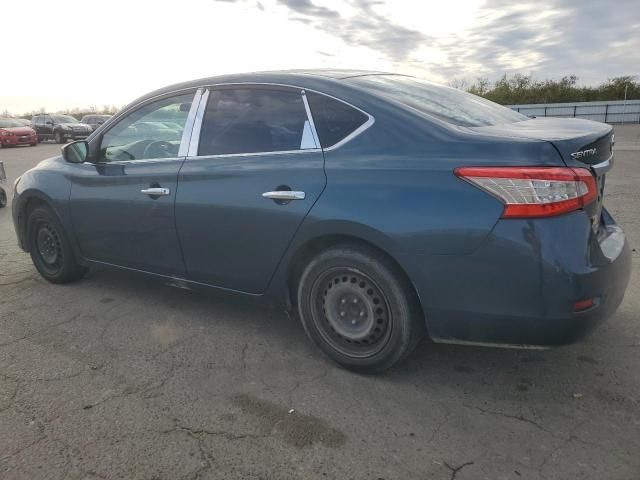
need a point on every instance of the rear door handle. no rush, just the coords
(284, 195)
(156, 191)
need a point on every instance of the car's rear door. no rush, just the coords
(122, 205)
(39, 126)
(252, 175)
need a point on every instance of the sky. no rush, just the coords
(82, 53)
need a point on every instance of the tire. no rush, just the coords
(359, 309)
(3, 198)
(59, 138)
(50, 248)
(33, 144)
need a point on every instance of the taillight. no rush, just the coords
(534, 191)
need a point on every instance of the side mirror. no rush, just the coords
(49, 122)
(76, 152)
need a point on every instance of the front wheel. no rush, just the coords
(59, 138)
(50, 248)
(359, 309)
(3, 198)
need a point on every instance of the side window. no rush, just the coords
(334, 120)
(153, 131)
(252, 120)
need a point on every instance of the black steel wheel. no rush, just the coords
(352, 312)
(49, 246)
(359, 309)
(50, 249)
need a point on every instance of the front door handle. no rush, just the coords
(156, 191)
(284, 195)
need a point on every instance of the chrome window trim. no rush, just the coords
(144, 160)
(188, 127)
(197, 125)
(370, 121)
(253, 154)
(116, 119)
(118, 116)
(307, 109)
(195, 137)
(194, 140)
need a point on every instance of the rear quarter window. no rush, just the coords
(334, 120)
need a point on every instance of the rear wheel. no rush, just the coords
(359, 309)
(59, 138)
(50, 248)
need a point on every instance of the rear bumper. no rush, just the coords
(520, 287)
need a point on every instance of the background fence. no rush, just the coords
(608, 112)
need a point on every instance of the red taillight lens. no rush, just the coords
(582, 305)
(534, 191)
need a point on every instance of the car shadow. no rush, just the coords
(430, 362)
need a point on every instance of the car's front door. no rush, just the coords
(122, 204)
(247, 186)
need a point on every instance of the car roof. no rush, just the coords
(304, 78)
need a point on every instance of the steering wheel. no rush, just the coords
(158, 149)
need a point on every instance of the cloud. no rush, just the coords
(590, 38)
(366, 28)
(308, 9)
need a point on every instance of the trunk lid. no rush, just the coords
(570, 136)
(580, 143)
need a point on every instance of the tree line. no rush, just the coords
(522, 89)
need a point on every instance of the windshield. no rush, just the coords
(448, 104)
(63, 119)
(9, 123)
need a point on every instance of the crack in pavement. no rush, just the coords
(454, 471)
(512, 417)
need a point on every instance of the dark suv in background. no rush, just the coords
(94, 121)
(59, 128)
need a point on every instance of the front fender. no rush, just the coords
(44, 186)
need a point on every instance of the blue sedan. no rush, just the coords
(380, 207)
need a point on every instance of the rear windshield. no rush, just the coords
(448, 104)
(63, 119)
